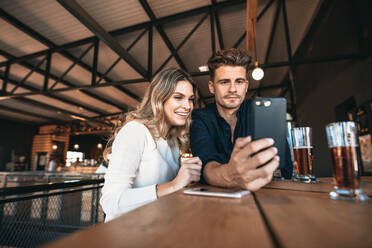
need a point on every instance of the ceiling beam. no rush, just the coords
(213, 35)
(273, 30)
(263, 11)
(125, 30)
(293, 94)
(56, 109)
(321, 16)
(163, 35)
(218, 25)
(149, 52)
(52, 46)
(79, 13)
(22, 112)
(64, 100)
(188, 36)
(65, 82)
(118, 59)
(78, 87)
(297, 62)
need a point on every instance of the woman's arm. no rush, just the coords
(189, 172)
(118, 194)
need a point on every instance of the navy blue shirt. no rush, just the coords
(210, 135)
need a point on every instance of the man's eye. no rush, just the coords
(224, 82)
(240, 82)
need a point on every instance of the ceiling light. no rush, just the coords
(99, 146)
(78, 118)
(76, 146)
(4, 97)
(203, 68)
(257, 72)
(55, 147)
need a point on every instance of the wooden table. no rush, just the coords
(283, 214)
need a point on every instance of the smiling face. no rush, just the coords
(229, 87)
(178, 106)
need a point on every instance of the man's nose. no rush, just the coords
(232, 87)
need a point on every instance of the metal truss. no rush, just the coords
(101, 35)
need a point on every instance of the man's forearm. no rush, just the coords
(218, 175)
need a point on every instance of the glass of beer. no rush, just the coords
(342, 142)
(303, 154)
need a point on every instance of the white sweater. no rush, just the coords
(136, 165)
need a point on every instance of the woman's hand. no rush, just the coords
(190, 170)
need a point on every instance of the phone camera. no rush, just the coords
(267, 103)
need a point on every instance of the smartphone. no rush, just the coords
(268, 120)
(217, 192)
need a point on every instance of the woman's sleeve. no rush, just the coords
(118, 194)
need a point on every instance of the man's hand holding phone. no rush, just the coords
(247, 155)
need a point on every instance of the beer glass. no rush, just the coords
(303, 154)
(290, 125)
(342, 142)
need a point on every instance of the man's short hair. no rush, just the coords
(231, 56)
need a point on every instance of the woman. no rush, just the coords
(145, 151)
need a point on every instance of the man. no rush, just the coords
(220, 134)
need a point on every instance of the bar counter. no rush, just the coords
(282, 214)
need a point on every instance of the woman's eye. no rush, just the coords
(178, 97)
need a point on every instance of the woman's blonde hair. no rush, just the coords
(151, 110)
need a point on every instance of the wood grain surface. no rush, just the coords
(308, 219)
(180, 220)
(325, 185)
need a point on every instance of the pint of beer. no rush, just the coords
(342, 141)
(303, 153)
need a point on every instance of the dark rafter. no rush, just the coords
(40, 71)
(22, 112)
(322, 14)
(53, 47)
(55, 109)
(118, 59)
(76, 10)
(213, 35)
(289, 52)
(163, 35)
(5, 79)
(182, 42)
(218, 25)
(47, 71)
(359, 26)
(121, 31)
(28, 75)
(286, 29)
(149, 52)
(77, 87)
(95, 62)
(272, 34)
(64, 100)
(71, 66)
(263, 11)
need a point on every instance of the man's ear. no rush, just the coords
(211, 87)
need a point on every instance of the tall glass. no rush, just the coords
(303, 153)
(342, 142)
(290, 125)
